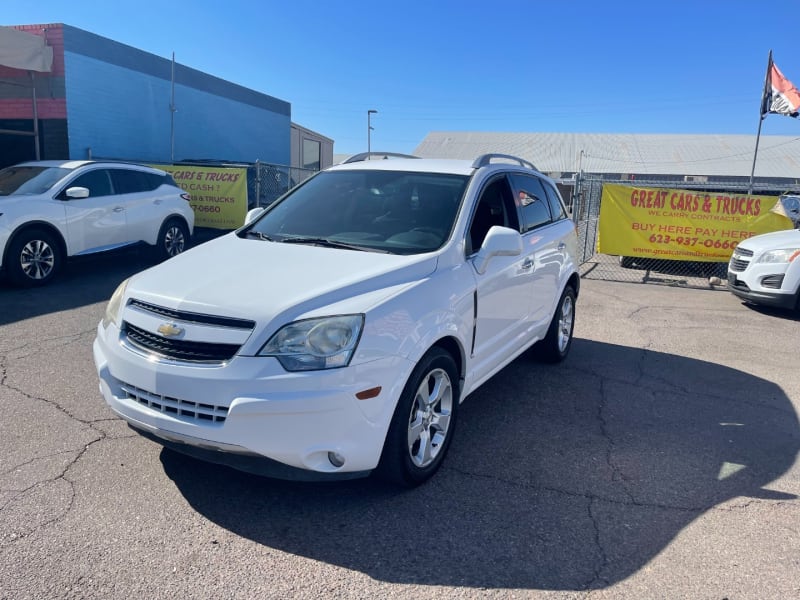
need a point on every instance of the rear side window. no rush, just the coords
(556, 205)
(130, 181)
(532, 201)
(165, 179)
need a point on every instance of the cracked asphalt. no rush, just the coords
(659, 461)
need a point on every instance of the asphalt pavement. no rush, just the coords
(659, 461)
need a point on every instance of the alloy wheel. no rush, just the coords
(429, 421)
(37, 259)
(565, 323)
(174, 240)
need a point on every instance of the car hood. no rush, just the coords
(255, 279)
(777, 239)
(20, 198)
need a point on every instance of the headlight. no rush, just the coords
(313, 344)
(786, 255)
(114, 305)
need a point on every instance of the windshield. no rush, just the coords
(28, 181)
(383, 211)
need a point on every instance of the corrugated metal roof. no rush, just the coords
(645, 154)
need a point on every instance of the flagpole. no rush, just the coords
(762, 113)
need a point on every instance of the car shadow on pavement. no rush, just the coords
(85, 280)
(561, 478)
(779, 313)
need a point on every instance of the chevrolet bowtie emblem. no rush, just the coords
(169, 330)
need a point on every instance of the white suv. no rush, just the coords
(765, 269)
(50, 210)
(337, 332)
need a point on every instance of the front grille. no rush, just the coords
(196, 411)
(738, 265)
(178, 349)
(743, 251)
(772, 281)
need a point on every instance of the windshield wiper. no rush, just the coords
(259, 235)
(330, 244)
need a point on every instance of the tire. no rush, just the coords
(34, 257)
(626, 262)
(556, 344)
(173, 238)
(423, 423)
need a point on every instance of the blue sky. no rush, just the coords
(447, 65)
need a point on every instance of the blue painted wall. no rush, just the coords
(118, 101)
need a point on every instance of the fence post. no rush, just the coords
(258, 183)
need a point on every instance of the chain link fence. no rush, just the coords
(266, 182)
(693, 274)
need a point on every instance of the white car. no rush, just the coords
(51, 210)
(336, 333)
(765, 269)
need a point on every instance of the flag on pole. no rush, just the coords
(780, 96)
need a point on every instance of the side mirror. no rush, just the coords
(252, 215)
(500, 241)
(77, 192)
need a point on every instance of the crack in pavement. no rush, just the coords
(16, 536)
(49, 344)
(598, 577)
(79, 453)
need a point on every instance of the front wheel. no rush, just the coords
(33, 259)
(423, 423)
(172, 239)
(556, 344)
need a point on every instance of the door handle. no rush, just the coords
(561, 245)
(527, 263)
(118, 208)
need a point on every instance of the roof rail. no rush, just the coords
(486, 159)
(368, 155)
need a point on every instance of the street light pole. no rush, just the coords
(370, 112)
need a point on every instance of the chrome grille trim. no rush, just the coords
(184, 409)
(742, 251)
(191, 317)
(180, 350)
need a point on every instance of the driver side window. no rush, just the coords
(97, 182)
(495, 207)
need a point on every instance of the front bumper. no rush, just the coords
(775, 298)
(250, 409)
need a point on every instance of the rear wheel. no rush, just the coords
(34, 257)
(556, 344)
(423, 423)
(172, 239)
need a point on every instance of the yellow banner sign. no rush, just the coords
(681, 224)
(219, 194)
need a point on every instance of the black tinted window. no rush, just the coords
(532, 201)
(128, 181)
(556, 206)
(97, 182)
(495, 207)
